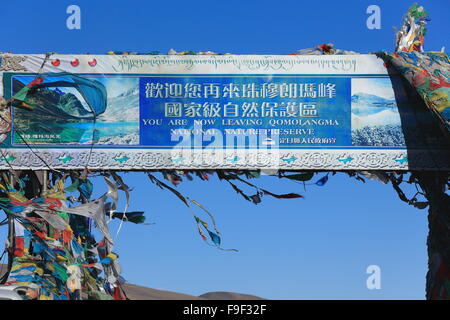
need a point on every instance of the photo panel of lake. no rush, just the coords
(63, 110)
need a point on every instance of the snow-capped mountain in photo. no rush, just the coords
(365, 103)
(373, 110)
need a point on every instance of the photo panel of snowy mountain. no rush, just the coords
(375, 116)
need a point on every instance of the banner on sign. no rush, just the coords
(213, 112)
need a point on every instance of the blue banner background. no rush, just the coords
(336, 108)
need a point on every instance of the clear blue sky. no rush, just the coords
(317, 247)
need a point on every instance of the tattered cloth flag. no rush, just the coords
(215, 238)
(94, 210)
(429, 73)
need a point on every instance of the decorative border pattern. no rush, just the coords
(126, 159)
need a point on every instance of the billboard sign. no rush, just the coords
(213, 112)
